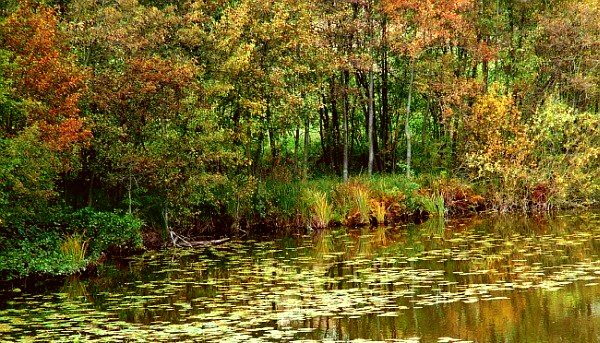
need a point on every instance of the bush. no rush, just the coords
(69, 245)
(107, 230)
(27, 180)
(567, 150)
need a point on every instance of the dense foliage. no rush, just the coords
(208, 114)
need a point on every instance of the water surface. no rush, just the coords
(503, 279)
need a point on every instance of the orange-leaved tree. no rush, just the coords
(45, 75)
(438, 28)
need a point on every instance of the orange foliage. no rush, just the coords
(147, 88)
(46, 75)
(432, 23)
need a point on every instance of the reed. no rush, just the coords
(74, 249)
(378, 209)
(433, 204)
(361, 201)
(321, 211)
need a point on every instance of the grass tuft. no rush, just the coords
(74, 249)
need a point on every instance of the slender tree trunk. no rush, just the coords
(322, 131)
(385, 116)
(370, 128)
(325, 132)
(271, 133)
(306, 143)
(352, 124)
(485, 71)
(257, 163)
(273, 145)
(407, 122)
(371, 91)
(335, 128)
(425, 127)
(90, 199)
(165, 215)
(345, 77)
(296, 145)
(129, 210)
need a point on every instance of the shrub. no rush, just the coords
(567, 151)
(108, 230)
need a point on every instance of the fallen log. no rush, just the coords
(184, 242)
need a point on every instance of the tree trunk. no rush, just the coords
(385, 123)
(271, 133)
(130, 201)
(370, 128)
(485, 72)
(345, 77)
(335, 129)
(296, 145)
(371, 91)
(407, 122)
(306, 143)
(257, 163)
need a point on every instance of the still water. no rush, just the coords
(502, 279)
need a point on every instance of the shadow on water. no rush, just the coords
(500, 279)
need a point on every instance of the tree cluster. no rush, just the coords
(177, 110)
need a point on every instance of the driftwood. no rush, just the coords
(184, 242)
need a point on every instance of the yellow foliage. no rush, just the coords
(552, 159)
(497, 143)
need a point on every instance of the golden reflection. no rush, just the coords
(493, 280)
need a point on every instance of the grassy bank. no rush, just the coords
(280, 204)
(274, 205)
(64, 242)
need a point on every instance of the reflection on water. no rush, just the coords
(485, 280)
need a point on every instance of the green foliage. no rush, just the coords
(28, 172)
(107, 230)
(39, 254)
(567, 150)
(66, 243)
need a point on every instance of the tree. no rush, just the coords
(569, 46)
(418, 27)
(45, 75)
(266, 72)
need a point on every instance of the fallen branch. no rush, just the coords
(184, 242)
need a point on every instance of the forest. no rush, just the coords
(124, 119)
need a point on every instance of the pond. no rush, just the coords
(500, 279)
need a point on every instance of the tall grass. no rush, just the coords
(321, 202)
(362, 206)
(74, 249)
(378, 209)
(321, 211)
(433, 204)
